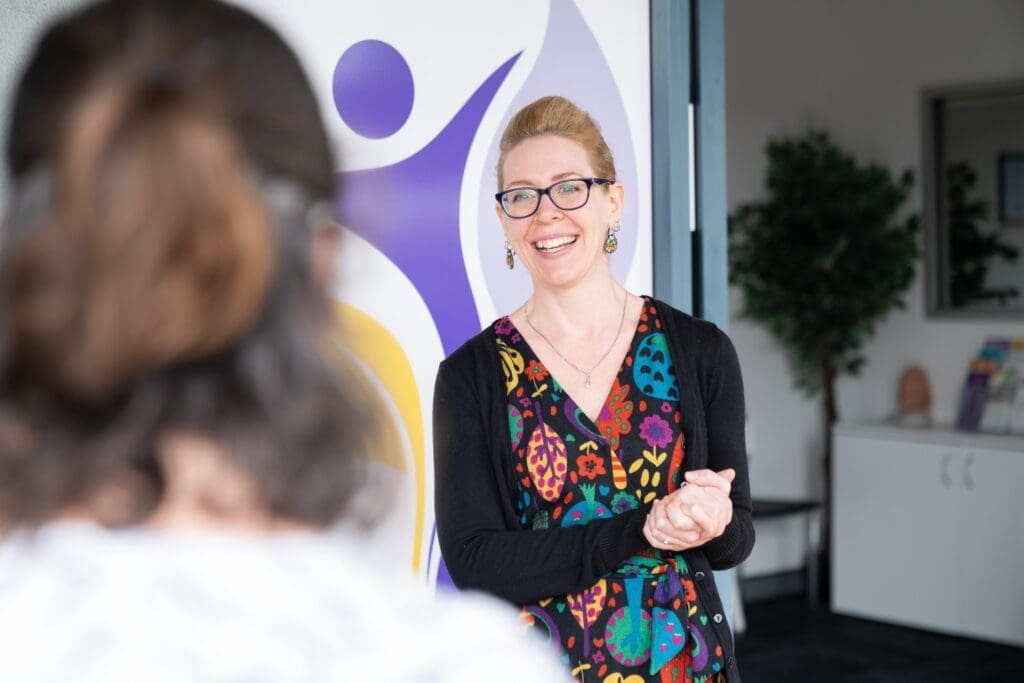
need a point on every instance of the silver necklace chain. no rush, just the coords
(585, 373)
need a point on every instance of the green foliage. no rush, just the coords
(823, 258)
(970, 250)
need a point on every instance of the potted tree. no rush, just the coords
(820, 262)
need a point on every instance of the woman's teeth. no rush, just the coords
(553, 244)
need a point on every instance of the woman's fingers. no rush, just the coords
(673, 540)
(708, 508)
(703, 520)
(663, 535)
(694, 507)
(691, 515)
(678, 516)
(719, 480)
(686, 540)
(654, 537)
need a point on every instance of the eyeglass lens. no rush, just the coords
(566, 195)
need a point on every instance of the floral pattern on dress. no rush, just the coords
(643, 621)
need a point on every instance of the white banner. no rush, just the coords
(415, 96)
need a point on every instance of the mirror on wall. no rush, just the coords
(974, 200)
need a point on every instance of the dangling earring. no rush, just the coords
(509, 253)
(611, 243)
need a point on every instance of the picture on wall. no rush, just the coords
(1011, 189)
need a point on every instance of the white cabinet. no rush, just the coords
(993, 530)
(928, 529)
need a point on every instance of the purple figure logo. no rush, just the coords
(409, 210)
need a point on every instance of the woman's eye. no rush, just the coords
(568, 188)
(521, 196)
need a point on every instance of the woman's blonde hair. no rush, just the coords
(554, 115)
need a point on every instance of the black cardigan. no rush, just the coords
(486, 548)
(483, 544)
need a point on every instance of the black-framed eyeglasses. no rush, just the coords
(568, 194)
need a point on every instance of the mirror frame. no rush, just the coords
(936, 240)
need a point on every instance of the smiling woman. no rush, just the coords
(562, 481)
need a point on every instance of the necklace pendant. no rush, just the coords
(587, 382)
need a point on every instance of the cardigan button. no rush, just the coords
(730, 662)
(699, 576)
(717, 618)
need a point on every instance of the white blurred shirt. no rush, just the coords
(82, 603)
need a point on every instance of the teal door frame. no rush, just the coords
(689, 197)
(688, 120)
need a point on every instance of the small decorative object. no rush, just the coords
(1004, 401)
(1017, 363)
(611, 243)
(983, 368)
(915, 398)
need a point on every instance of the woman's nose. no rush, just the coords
(547, 208)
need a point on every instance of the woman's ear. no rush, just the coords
(323, 249)
(617, 197)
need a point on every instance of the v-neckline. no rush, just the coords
(592, 421)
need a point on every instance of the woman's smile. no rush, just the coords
(554, 245)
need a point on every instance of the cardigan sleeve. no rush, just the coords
(482, 545)
(726, 443)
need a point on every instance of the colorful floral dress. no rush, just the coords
(643, 621)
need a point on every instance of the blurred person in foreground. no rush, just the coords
(173, 440)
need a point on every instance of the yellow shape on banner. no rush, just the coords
(384, 356)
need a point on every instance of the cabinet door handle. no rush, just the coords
(944, 477)
(968, 477)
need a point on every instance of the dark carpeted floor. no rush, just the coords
(786, 640)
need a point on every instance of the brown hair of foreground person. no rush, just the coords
(155, 273)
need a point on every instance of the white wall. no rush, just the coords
(856, 69)
(21, 22)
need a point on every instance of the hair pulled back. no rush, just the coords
(555, 115)
(155, 272)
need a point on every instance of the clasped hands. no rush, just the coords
(696, 512)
